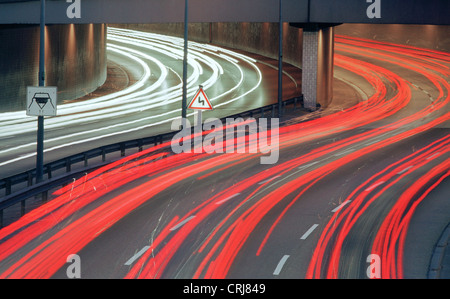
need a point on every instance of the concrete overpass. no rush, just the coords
(172, 11)
(315, 17)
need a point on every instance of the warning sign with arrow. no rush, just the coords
(200, 101)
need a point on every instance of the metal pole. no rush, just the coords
(280, 63)
(185, 70)
(40, 133)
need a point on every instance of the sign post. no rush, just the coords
(40, 133)
(185, 67)
(41, 101)
(280, 61)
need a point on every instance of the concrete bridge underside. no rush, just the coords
(315, 19)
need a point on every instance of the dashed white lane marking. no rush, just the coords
(182, 223)
(308, 165)
(227, 199)
(268, 180)
(137, 255)
(340, 206)
(404, 170)
(433, 156)
(343, 153)
(308, 232)
(374, 186)
(280, 265)
(373, 142)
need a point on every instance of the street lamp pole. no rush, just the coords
(280, 62)
(40, 133)
(185, 68)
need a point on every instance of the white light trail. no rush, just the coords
(146, 94)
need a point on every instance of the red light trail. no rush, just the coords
(58, 228)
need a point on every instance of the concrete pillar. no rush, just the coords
(317, 66)
(309, 67)
(75, 59)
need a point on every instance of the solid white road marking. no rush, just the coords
(309, 231)
(280, 265)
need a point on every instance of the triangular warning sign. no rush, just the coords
(200, 101)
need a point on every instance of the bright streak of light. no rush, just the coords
(249, 201)
(139, 97)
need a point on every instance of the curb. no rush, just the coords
(437, 259)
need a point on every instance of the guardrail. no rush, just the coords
(27, 189)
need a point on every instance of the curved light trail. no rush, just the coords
(212, 234)
(130, 107)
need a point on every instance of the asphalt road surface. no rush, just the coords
(355, 192)
(151, 68)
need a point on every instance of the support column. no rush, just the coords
(309, 67)
(317, 66)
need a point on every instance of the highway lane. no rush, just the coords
(233, 81)
(341, 176)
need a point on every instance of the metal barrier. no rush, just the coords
(32, 190)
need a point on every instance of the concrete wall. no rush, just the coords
(259, 38)
(262, 38)
(423, 36)
(75, 61)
